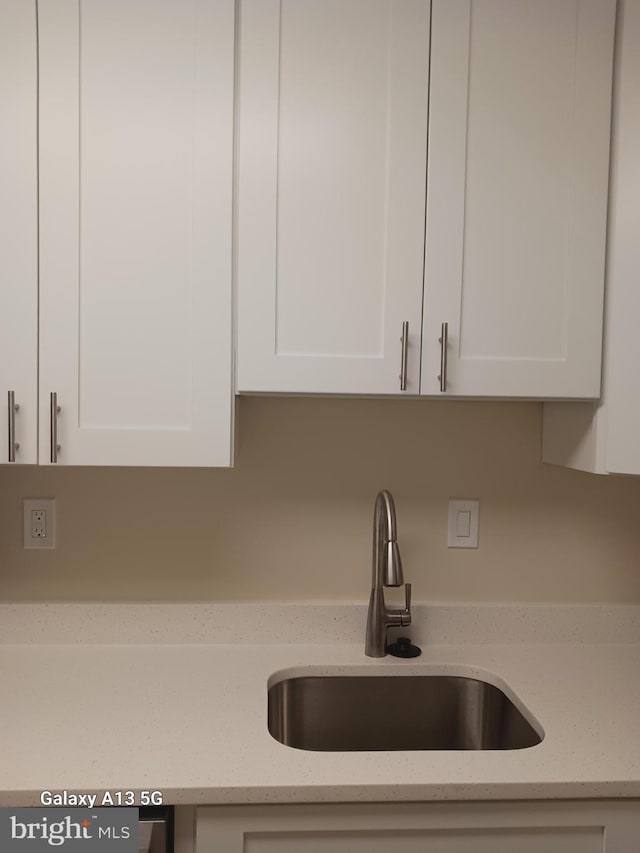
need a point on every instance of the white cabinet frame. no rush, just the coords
(607, 826)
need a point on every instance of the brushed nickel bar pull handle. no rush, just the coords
(55, 408)
(444, 335)
(403, 362)
(13, 408)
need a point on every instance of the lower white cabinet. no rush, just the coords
(604, 826)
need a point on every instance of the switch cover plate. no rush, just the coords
(463, 523)
(39, 522)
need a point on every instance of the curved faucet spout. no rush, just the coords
(387, 565)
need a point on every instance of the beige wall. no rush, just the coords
(293, 520)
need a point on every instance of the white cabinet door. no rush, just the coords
(603, 439)
(622, 350)
(136, 138)
(331, 157)
(18, 231)
(516, 196)
(447, 841)
(472, 827)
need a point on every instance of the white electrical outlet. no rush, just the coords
(39, 522)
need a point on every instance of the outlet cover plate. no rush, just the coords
(46, 523)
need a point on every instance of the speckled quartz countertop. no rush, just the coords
(139, 697)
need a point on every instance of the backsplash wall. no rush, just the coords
(293, 519)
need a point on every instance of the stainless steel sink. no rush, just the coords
(406, 712)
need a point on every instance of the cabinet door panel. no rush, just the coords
(560, 826)
(18, 228)
(621, 377)
(603, 439)
(332, 141)
(136, 181)
(517, 191)
(587, 840)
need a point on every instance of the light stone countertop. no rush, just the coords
(154, 697)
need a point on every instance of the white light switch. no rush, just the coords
(463, 523)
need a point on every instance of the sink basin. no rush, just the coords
(406, 712)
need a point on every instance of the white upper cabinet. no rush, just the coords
(517, 196)
(18, 232)
(605, 438)
(136, 144)
(333, 103)
(332, 137)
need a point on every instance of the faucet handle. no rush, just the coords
(406, 615)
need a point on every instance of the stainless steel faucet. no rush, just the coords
(387, 571)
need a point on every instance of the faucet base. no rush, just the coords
(403, 648)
